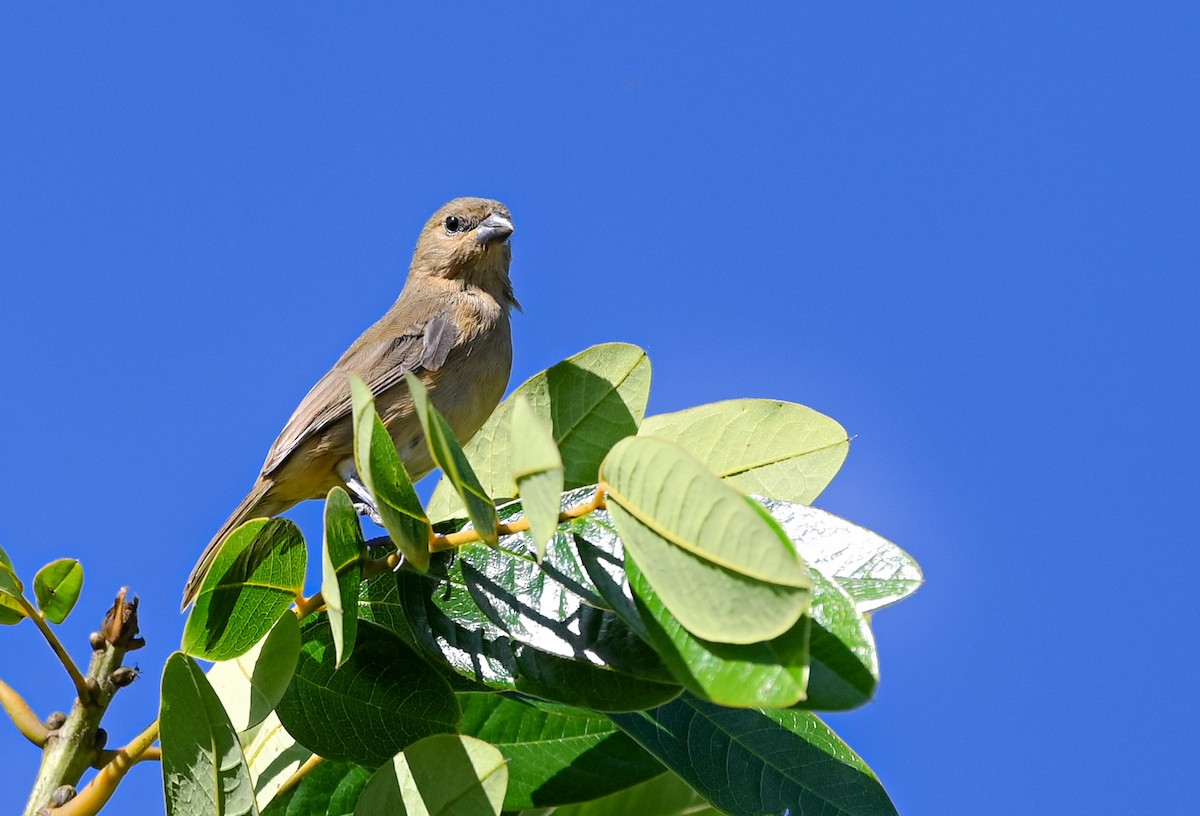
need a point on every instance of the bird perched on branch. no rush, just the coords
(450, 327)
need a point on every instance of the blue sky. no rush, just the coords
(969, 234)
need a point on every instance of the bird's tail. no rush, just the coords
(255, 505)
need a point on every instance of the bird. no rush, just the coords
(450, 327)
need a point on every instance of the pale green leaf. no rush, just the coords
(380, 469)
(538, 470)
(765, 447)
(443, 775)
(717, 560)
(590, 401)
(449, 456)
(249, 686)
(341, 569)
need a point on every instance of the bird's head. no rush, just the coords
(467, 240)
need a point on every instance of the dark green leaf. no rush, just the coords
(57, 586)
(330, 789)
(380, 700)
(590, 400)
(380, 469)
(444, 775)
(759, 446)
(556, 755)
(843, 664)
(717, 560)
(256, 576)
(341, 570)
(204, 771)
(449, 456)
(769, 674)
(500, 618)
(249, 686)
(754, 762)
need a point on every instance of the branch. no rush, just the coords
(78, 742)
(97, 793)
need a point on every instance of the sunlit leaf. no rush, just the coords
(874, 571)
(444, 775)
(759, 446)
(590, 401)
(341, 569)
(255, 577)
(57, 586)
(449, 456)
(11, 588)
(250, 685)
(380, 469)
(717, 560)
(538, 471)
(273, 756)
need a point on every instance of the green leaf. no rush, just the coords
(768, 674)
(753, 762)
(538, 471)
(759, 446)
(341, 570)
(843, 663)
(590, 400)
(204, 771)
(380, 700)
(273, 756)
(330, 789)
(256, 576)
(826, 661)
(11, 588)
(57, 586)
(664, 795)
(249, 686)
(449, 456)
(874, 571)
(444, 775)
(556, 755)
(380, 469)
(717, 560)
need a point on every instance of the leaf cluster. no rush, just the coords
(595, 613)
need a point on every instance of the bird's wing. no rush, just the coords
(380, 362)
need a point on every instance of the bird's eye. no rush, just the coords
(453, 223)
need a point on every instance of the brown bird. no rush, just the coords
(450, 327)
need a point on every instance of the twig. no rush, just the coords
(22, 715)
(39, 620)
(299, 774)
(440, 543)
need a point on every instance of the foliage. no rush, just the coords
(655, 639)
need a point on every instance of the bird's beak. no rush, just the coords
(494, 229)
